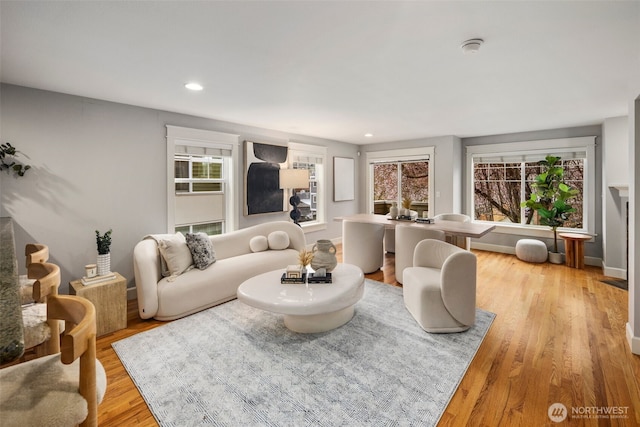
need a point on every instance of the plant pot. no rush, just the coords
(555, 257)
(104, 264)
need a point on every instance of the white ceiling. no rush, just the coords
(338, 69)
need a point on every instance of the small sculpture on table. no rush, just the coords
(319, 276)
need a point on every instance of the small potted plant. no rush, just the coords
(549, 197)
(406, 207)
(104, 252)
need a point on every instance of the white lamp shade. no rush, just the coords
(294, 178)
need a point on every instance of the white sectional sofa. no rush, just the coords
(239, 255)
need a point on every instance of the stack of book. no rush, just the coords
(294, 274)
(319, 279)
(425, 220)
(97, 279)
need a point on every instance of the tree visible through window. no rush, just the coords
(500, 187)
(414, 185)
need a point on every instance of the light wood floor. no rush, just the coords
(559, 336)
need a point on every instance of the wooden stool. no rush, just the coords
(574, 248)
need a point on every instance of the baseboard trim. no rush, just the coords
(634, 342)
(493, 248)
(132, 293)
(618, 273)
(594, 261)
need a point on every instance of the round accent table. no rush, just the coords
(574, 248)
(307, 308)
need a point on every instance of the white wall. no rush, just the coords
(100, 165)
(615, 151)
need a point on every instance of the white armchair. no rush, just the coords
(439, 290)
(407, 238)
(463, 242)
(362, 245)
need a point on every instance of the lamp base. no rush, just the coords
(295, 212)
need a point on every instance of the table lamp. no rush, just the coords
(294, 178)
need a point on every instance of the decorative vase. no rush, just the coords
(104, 264)
(324, 255)
(393, 212)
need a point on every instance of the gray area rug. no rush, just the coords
(234, 365)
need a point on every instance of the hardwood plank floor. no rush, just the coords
(558, 337)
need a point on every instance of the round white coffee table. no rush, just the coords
(307, 308)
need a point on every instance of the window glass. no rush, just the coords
(211, 229)
(197, 174)
(308, 205)
(313, 197)
(498, 191)
(411, 178)
(181, 168)
(385, 187)
(414, 185)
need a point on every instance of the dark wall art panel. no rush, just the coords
(262, 168)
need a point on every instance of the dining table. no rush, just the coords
(474, 230)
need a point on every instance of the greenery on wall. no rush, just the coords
(8, 162)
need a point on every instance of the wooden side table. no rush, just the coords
(574, 248)
(110, 300)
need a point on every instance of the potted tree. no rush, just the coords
(549, 198)
(104, 252)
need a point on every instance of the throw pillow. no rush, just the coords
(258, 244)
(201, 250)
(278, 240)
(176, 255)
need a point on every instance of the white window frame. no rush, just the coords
(542, 147)
(177, 135)
(191, 180)
(321, 182)
(401, 155)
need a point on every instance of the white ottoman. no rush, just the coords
(531, 250)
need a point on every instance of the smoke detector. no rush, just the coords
(471, 46)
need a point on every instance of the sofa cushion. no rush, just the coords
(259, 244)
(201, 250)
(278, 240)
(175, 254)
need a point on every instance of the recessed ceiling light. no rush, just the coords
(193, 86)
(368, 135)
(471, 46)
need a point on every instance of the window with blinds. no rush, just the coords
(201, 179)
(500, 181)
